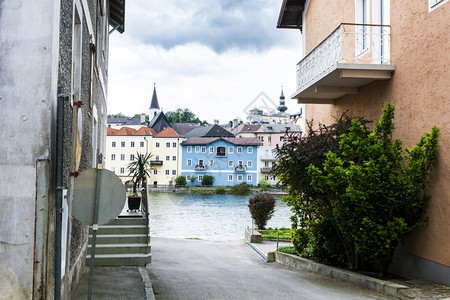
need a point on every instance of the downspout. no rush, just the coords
(59, 189)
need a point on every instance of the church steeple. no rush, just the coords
(282, 107)
(154, 105)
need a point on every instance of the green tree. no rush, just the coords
(117, 115)
(207, 180)
(376, 191)
(140, 168)
(180, 180)
(263, 184)
(181, 115)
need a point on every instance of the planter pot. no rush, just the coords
(134, 202)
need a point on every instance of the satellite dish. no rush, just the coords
(112, 196)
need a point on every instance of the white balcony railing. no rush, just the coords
(347, 44)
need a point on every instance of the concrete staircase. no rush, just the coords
(123, 242)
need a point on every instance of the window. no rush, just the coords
(230, 177)
(141, 144)
(141, 156)
(122, 156)
(113, 144)
(249, 149)
(131, 156)
(174, 172)
(188, 177)
(157, 157)
(281, 139)
(174, 157)
(239, 177)
(273, 178)
(122, 144)
(200, 162)
(200, 177)
(113, 157)
(189, 149)
(157, 145)
(266, 164)
(249, 177)
(113, 169)
(269, 139)
(211, 149)
(362, 17)
(122, 170)
(266, 178)
(220, 151)
(249, 163)
(230, 150)
(240, 163)
(261, 138)
(167, 157)
(167, 145)
(197, 149)
(211, 162)
(239, 150)
(167, 172)
(155, 171)
(203, 149)
(230, 163)
(189, 162)
(132, 144)
(174, 144)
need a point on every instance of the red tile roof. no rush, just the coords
(127, 131)
(167, 132)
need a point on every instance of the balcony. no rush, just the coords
(268, 158)
(266, 169)
(200, 168)
(156, 163)
(240, 168)
(352, 56)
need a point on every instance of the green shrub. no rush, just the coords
(180, 180)
(262, 207)
(220, 190)
(263, 185)
(300, 239)
(242, 189)
(207, 180)
(288, 250)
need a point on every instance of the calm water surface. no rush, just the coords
(208, 217)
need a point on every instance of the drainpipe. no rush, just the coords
(59, 189)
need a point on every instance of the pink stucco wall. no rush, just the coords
(420, 90)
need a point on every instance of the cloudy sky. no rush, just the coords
(211, 56)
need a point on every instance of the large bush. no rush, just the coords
(242, 189)
(180, 180)
(368, 189)
(207, 180)
(262, 207)
(220, 190)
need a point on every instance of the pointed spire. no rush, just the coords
(154, 104)
(282, 107)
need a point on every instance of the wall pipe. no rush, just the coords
(59, 189)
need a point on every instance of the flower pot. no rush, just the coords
(134, 202)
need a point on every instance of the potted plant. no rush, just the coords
(139, 170)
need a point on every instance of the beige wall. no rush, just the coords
(420, 90)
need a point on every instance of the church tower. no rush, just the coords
(154, 106)
(282, 107)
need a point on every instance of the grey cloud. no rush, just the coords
(220, 25)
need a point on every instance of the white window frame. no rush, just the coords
(230, 163)
(211, 162)
(122, 156)
(197, 149)
(141, 144)
(203, 149)
(157, 145)
(230, 177)
(174, 172)
(174, 144)
(433, 4)
(240, 177)
(167, 172)
(167, 157)
(122, 170)
(188, 177)
(113, 157)
(131, 157)
(249, 177)
(230, 149)
(362, 16)
(239, 150)
(249, 149)
(200, 177)
(189, 162)
(155, 171)
(249, 163)
(122, 144)
(167, 144)
(113, 144)
(132, 144)
(174, 157)
(211, 149)
(189, 149)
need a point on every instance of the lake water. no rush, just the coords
(207, 217)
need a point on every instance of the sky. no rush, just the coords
(214, 57)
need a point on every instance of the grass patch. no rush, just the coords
(193, 238)
(288, 250)
(271, 233)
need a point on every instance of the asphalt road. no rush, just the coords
(196, 269)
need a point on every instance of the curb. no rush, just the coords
(384, 287)
(149, 295)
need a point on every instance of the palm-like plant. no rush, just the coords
(140, 168)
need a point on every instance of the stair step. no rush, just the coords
(120, 239)
(121, 229)
(120, 249)
(128, 221)
(137, 259)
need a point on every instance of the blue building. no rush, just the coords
(229, 160)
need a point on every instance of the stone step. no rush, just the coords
(128, 221)
(121, 229)
(140, 259)
(120, 239)
(119, 249)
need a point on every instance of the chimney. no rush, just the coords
(143, 118)
(235, 122)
